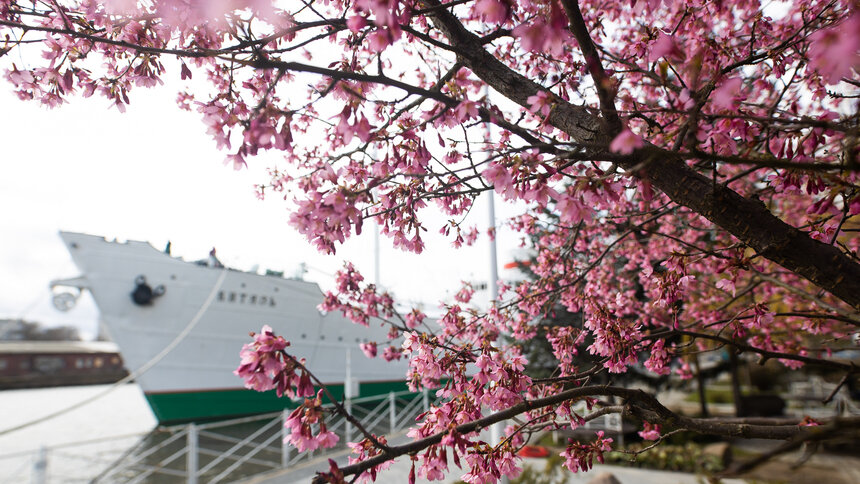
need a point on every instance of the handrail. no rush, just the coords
(22, 453)
(237, 446)
(226, 472)
(161, 451)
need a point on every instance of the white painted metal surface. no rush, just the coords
(206, 358)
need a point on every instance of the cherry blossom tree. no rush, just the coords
(699, 158)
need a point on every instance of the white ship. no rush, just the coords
(185, 322)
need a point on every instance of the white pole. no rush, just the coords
(348, 431)
(347, 393)
(191, 456)
(40, 467)
(493, 283)
(392, 412)
(498, 428)
(347, 383)
(376, 269)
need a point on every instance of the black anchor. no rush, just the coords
(143, 293)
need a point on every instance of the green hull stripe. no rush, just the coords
(178, 407)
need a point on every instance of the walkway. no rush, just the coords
(399, 473)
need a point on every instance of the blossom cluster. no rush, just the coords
(580, 456)
(380, 109)
(265, 366)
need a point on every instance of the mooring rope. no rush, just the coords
(140, 371)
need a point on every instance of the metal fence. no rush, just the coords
(75, 462)
(807, 398)
(229, 450)
(216, 452)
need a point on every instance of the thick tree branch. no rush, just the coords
(639, 403)
(750, 221)
(603, 83)
(580, 123)
(847, 367)
(747, 219)
(837, 427)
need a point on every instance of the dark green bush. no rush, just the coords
(688, 457)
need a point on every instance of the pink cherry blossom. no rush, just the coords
(540, 103)
(649, 432)
(834, 52)
(665, 46)
(721, 216)
(369, 349)
(494, 11)
(626, 142)
(728, 94)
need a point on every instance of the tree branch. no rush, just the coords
(649, 409)
(747, 219)
(603, 83)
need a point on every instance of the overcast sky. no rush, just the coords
(153, 174)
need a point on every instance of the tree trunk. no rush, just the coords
(736, 384)
(700, 382)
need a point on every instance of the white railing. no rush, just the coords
(69, 462)
(807, 398)
(229, 450)
(215, 452)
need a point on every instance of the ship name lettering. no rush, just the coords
(245, 298)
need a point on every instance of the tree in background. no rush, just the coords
(21, 330)
(701, 152)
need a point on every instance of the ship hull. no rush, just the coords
(200, 405)
(205, 315)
